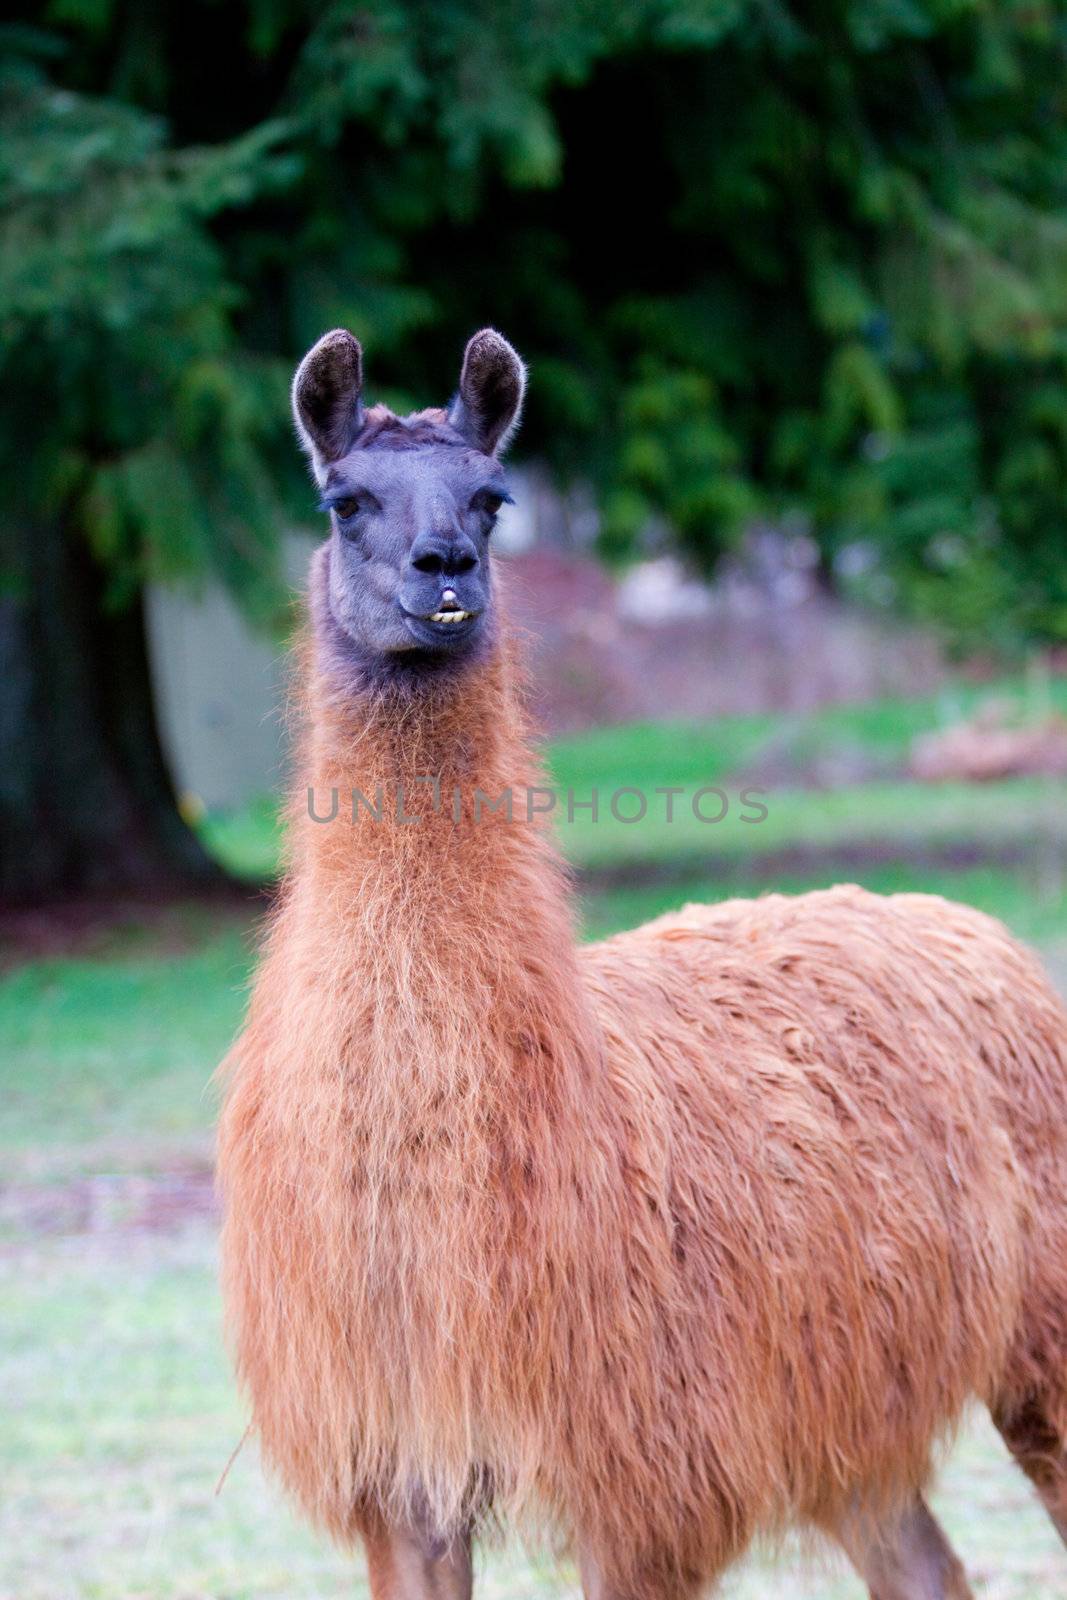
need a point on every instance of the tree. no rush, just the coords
(761, 257)
(132, 443)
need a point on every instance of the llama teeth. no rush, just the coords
(449, 616)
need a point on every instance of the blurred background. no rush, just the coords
(791, 516)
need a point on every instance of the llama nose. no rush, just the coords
(445, 555)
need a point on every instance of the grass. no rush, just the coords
(706, 752)
(109, 1057)
(1027, 906)
(120, 1411)
(994, 817)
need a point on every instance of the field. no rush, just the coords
(120, 1411)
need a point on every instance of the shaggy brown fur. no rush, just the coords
(652, 1245)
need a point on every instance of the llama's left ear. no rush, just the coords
(491, 386)
(328, 398)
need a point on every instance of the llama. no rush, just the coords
(645, 1248)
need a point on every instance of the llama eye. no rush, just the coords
(348, 508)
(490, 501)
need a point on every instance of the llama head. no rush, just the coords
(405, 582)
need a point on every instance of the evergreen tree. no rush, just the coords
(761, 256)
(133, 445)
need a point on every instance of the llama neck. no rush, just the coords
(420, 776)
(436, 887)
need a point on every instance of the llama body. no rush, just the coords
(650, 1246)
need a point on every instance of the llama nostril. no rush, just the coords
(429, 563)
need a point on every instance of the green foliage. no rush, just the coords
(762, 257)
(127, 412)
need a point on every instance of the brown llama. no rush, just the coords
(648, 1247)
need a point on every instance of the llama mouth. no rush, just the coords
(438, 628)
(451, 618)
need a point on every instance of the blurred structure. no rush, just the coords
(658, 643)
(220, 690)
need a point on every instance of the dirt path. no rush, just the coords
(103, 1203)
(803, 861)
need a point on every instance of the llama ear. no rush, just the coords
(491, 386)
(327, 398)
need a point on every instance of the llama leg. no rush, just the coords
(906, 1559)
(408, 1564)
(597, 1585)
(1038, 1446)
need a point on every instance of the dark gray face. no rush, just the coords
(407, 578)
(409, 552)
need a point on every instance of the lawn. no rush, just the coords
(120, 1410)
(107, 1057)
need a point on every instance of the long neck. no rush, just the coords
(429, 779)
(435, 881)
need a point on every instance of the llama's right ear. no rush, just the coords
(328, 398)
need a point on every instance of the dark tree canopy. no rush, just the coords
(761, 257)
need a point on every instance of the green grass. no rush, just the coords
(121, 1414)
(246, 840)
(909, 816)
(1034, 911)
(116, 1050)
(706, 752)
